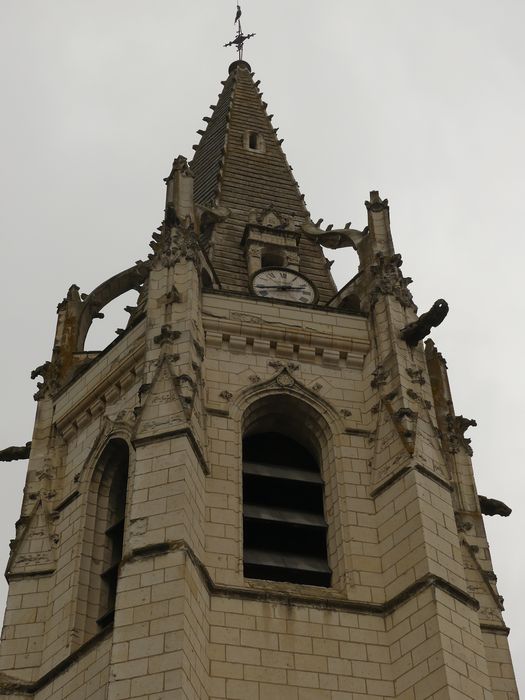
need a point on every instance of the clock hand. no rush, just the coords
(277, 286)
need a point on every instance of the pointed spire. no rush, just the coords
(239, 165)
(239, 161)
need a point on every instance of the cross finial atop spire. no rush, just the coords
(240, 38)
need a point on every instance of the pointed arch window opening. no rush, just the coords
(284, 526)
(111, 516)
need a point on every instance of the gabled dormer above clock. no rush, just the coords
(270, 240)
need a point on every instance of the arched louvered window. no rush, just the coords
(109, 534)
(283, 512)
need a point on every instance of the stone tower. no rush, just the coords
(260, 490)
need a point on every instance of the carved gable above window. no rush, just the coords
(270, 236)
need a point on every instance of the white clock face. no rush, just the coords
(279, 283)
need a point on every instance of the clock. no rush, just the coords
(284, 284)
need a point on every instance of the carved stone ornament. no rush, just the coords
(277, 364)
(226, 395)
(376, 204)
(285, 379)
(166, 335)
(175, 242)
(456, 428)
(388, 280)
(187, 389)
(71, 296)
(143, 389)
(171, 297)
(380, 377)
(269, 218)
(405, 420)
(416, 375)
(180, 165)
(50, 372)
(199, 350)
(47, 472)
(463, 526)
(125, 417)
(255, 250)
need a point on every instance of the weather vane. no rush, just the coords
(240, 38)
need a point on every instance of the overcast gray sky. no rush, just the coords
(422, 100)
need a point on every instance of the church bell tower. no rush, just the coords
(261, 489)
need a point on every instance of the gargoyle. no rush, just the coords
(335, 237)
(41, 371)
(11, 454)
(419, 329)
(490, 506)
(462, 424)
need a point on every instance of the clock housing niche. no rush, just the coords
(270, 240)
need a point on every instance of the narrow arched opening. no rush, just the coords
(109, 488)
(284, 525)
(351, 303)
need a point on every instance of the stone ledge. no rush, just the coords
(12, 686)
(502, 630)
(403, 472)
(331, 600)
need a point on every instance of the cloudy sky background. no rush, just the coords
(424, 101)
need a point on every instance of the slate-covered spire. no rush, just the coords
(239, 165)
(228, 172)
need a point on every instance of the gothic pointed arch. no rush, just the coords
(101, 296)
(106, 485)
(284, 382)
(291, 516)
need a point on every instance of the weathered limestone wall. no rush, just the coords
(413, 612)
(85, 679)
